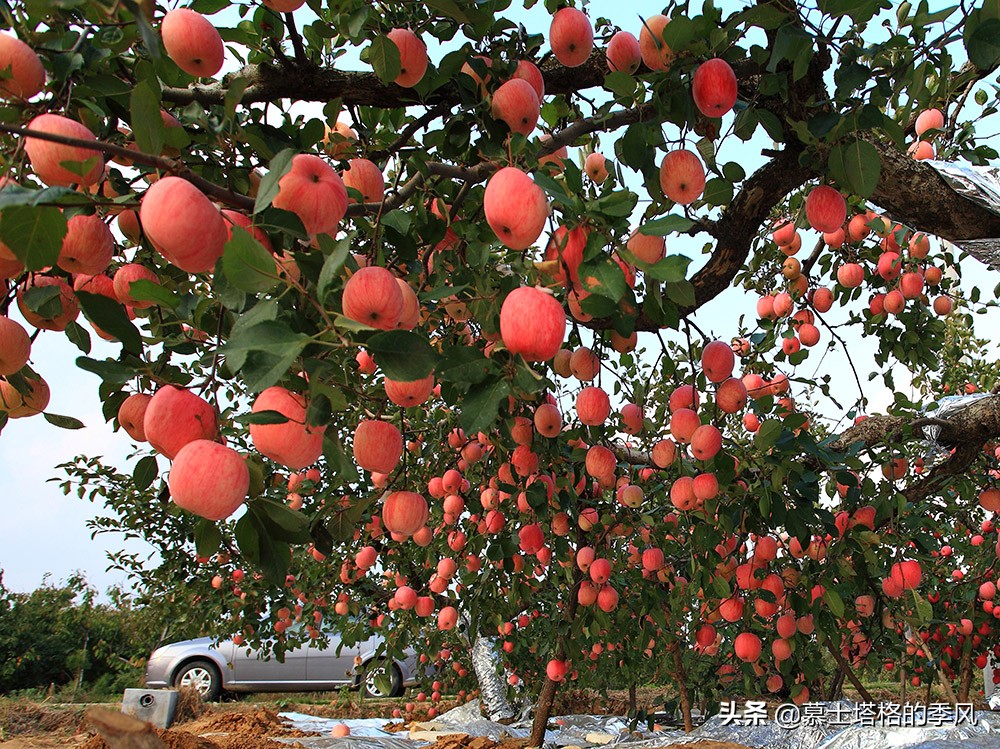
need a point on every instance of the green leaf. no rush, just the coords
(281, 521)
(834, 601)
(664, 225)
(856, 165)
(620, 83)
(147, 123)
(672, 268)
(860, 11)
(109, 316)
(337, 254)
(603, 276)
(145, 472)
(264, 417)
(263, 352)
(383, 54)
(63, 422)
(925, 612)
(767, 435)
(78, 336)
(234, 94)
(277, 169)
(145, 290)
(207, 538)
(463, 364)
(481, 405)
(402, 355)
(342, 524)
(271, 557)
(448, 8)
(34, 235)
(680, 293)
(983, 44)
(247, 264)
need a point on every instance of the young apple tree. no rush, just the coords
(432, 313)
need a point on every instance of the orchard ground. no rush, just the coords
(246, 723)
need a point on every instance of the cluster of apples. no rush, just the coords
(901, 265)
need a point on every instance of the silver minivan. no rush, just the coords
(213, 667)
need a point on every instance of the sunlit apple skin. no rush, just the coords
(132, 415)
(516, 103)
(17, 405)
(515, 208)
(714, 87)
(47, 158)
(682, 177)
(532, 323)
(378, 445)
(209, 479)
(412, 57)
(314, 192)
(364, 176)
(655, 52)
(623, 53)
(571, 37)
(826, 209)
(88, 246)
(293, 444)
(123, 279)
(372, 296)
(192, 42)
(183, 225)
(174, 417)
(528, 71)
(27, 74)
(15, 346)
(929, 119)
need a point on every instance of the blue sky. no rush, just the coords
(44, 532)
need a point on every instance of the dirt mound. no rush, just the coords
(257, 722)
(464, 741)
(175, 739)
(23, 718)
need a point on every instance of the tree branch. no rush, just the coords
(171, 166)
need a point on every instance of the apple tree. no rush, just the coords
(432, 310)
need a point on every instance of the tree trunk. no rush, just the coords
(632, 706)
(902, 682)
(848, 671)
(542, 711)
(927, 693)
(682, 690)
(965, 672)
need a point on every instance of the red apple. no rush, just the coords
(623, 53)
(655, 52)
(515, 208)
(528, 71)
(365, 177)
(209, 479)
(26, 72)
(516, 103)
(174, 417)
(125, 276)
(404, 512)
(826, 209)
(378, 446)
(15, 346)
(412, 57)
(314, 192)
(682, 176)
(192, 42)
(571, 37)
(69, 307)
(714, 87)
(132, 415)
(532, 323)
(372, 296)
(88, 246)
(293, 444)
(50, 160)
(929, 119)
(183, 225)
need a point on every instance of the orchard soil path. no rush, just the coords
(253, 725)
